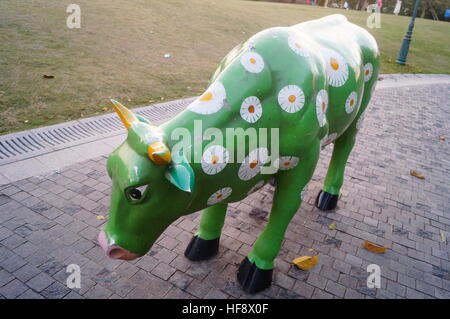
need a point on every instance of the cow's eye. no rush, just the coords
(136, 193)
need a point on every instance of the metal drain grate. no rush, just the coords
(18, 146)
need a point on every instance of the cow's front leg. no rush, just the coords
(205, 242)
(255, 271)
(328, 197)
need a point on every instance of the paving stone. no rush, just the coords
(13, 241)
(163, 271)
(304, 289)
(320, 294)
(5, 277)
(73, 295)
(30, 294)
(26, 272)
(176, 293)
(98, 292)
(13, 263)
(122, 287)
(335, 289)
(198, 288)
(55, 291)
(353, 294)
(40, 282)
(13, 289)
(215, 294)
(317, 281)
(180, 280)
(396, 288)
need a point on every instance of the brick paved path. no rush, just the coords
(49, 222)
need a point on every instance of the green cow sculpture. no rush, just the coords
(310, 82)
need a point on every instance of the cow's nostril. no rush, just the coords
(116, 253)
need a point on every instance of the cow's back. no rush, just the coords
(280, 78)
(300, 56)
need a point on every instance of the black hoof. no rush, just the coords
(326, 201)
(253, 279)
(201, 249)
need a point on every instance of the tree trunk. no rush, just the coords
(424, 9)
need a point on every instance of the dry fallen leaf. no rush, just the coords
(415, 174)
(310, 249)
(332, 226)
(442, 137)
(104, 108)
(374, 247)
(100, 217)
(46, 76)
(306, 262)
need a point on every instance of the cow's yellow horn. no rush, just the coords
(159, 153)
(125, 114)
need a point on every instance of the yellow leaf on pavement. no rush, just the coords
(306, 262)
(374, 247)
(332, 226)
(415, 174)
(100, 217)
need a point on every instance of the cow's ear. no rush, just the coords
(180, 173)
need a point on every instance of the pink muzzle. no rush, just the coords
(114, 251)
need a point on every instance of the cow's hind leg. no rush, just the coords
(328, 197)
(205, 242)
(255, 272)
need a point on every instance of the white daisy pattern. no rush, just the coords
(252, 62)
(219, 196)
(303, 192)
(285, 163)
(291, 98)
(368, 70)
(211, 101)
(256, 187)
(336, 67)
(328, 139)
(297, 47)
(251, 165)
(214, 159)
(321, 107)
(251, 109)
(351, 102)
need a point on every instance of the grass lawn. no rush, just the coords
(119, 51)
